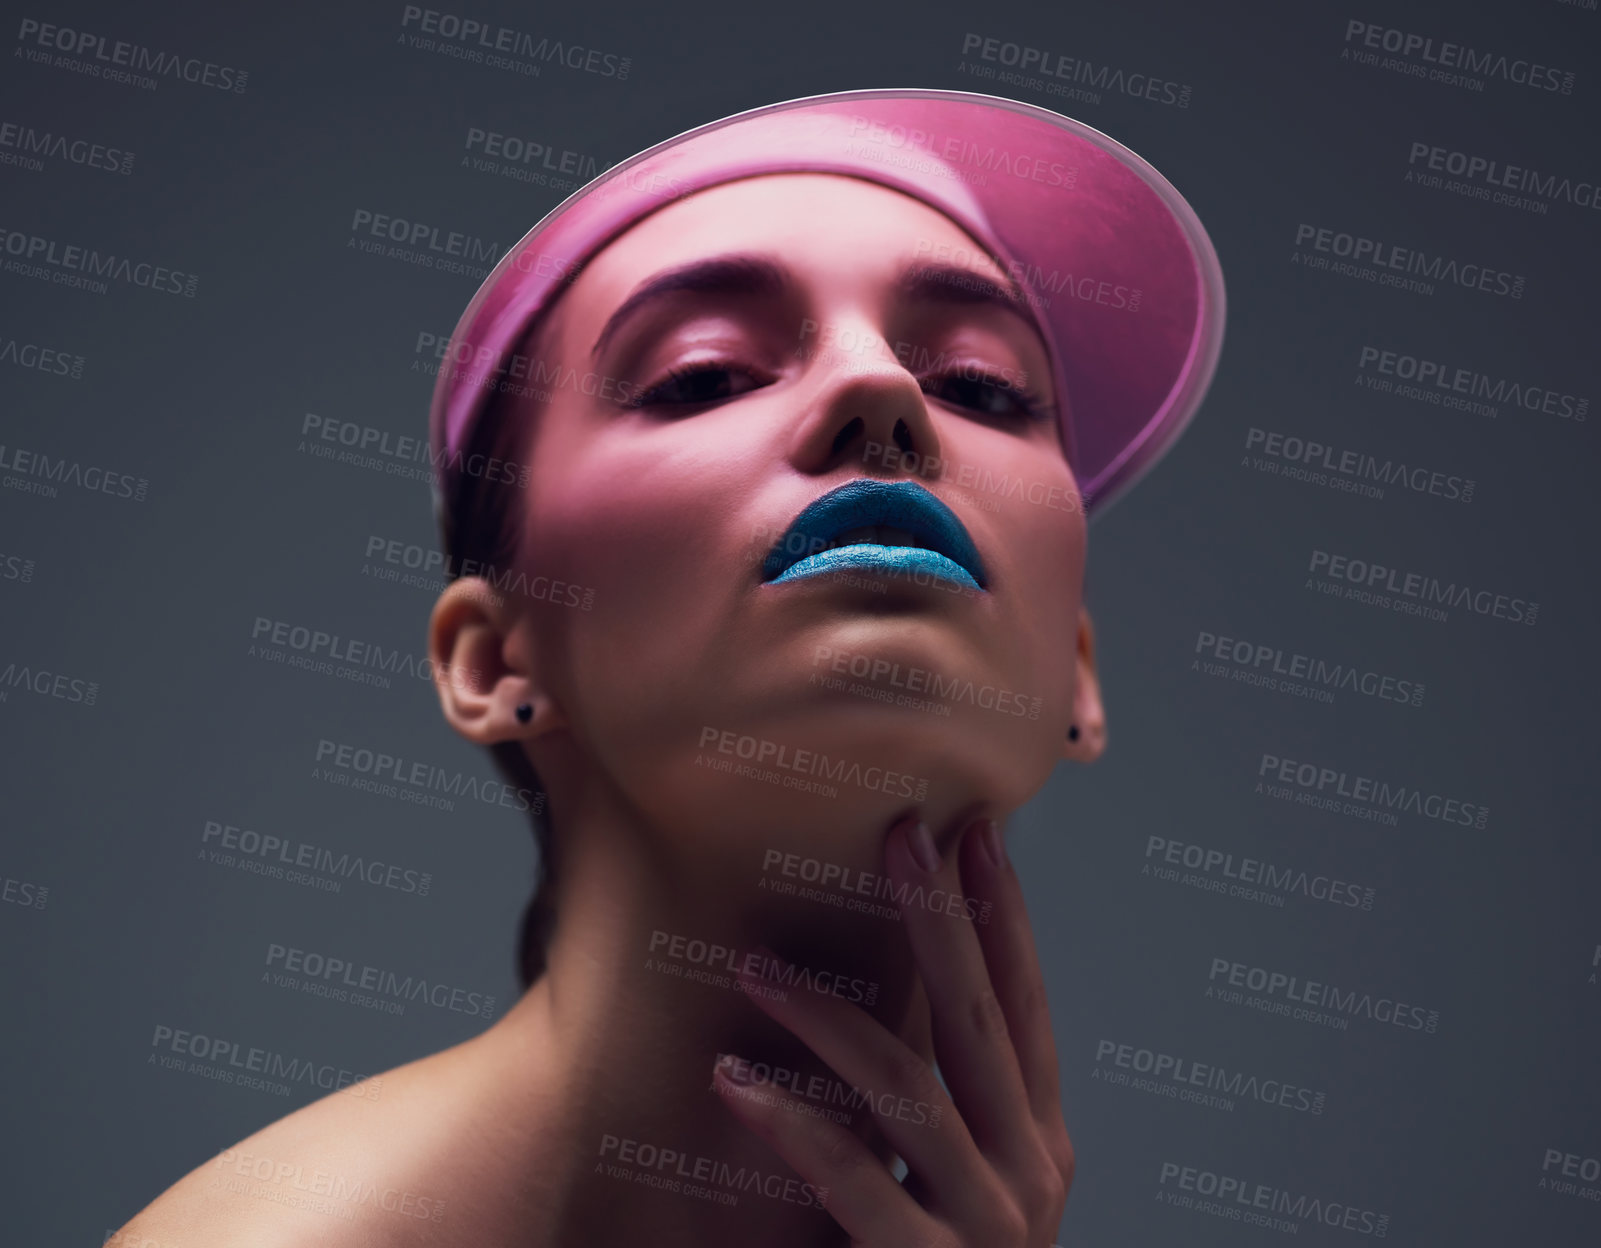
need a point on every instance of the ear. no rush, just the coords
(1089, 716)
(482, 670)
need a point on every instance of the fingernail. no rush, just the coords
(922, 847)
(993, 845)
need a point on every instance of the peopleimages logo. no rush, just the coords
(23, 893)
(55, 472)
(69, 264)
(479, 41)
(1494, 180)
(15, 568)
(108, 58)
(761, 753)
(961, 150)
(485, 369)
(1444, 55)
(274, 851)
(1450, 386)
(945, 690)
(752, 1077)
(1247, 871)
(29, 145)
(1058, 65)
(49, 684)
(1569, 1167)
(420, 234)
(1359, 465)
(495, 147)
(703, 1178)
(45, 359)
(980, 477)
(1280, 990)
(1395, 260)
(1323, 787)
(322, 1191)
(1034, 280)
(317, 650)
(400, 452)
(364, 763)
(421, 244)
(707, 961)
(230, 1062)
(1261, 1204)
(1187, 1080)
(434, 570)
(1253, 660)
(849, 888)
(1413, 591)
(322, 973)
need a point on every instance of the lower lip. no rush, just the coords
(905, 561)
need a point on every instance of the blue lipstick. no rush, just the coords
(925, 536)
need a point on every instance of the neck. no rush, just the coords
(605, 1064)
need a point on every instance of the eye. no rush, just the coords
(981, 390)
(688, 385)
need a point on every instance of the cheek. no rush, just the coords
(1040, 527)
(651, 522)
(1024, 497)
(652, 531)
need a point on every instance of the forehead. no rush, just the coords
(828, 226)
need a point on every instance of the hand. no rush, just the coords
(995, 1170)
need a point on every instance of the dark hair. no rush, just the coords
(482, 530)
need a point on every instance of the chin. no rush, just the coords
(829, 775)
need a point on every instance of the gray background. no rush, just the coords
(204, 397)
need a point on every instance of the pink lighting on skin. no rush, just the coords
(655, 508)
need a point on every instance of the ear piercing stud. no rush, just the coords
(525, 712)
(1072, 732)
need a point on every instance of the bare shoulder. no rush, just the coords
(344, 1170)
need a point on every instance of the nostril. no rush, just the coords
(902, 436)
(847, 433)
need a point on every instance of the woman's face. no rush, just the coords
(687, 435)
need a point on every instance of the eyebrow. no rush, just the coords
(740, 274)
(950, 283)
(752, 273)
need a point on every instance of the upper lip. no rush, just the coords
(865, 501)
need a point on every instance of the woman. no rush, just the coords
(805, 411)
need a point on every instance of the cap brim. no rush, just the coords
(1119, 272)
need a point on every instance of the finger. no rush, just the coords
(1014, 968)
(971, 1032)
(854, 1186)
(890, 1080)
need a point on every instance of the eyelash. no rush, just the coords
(1030, 405)
(647, 396)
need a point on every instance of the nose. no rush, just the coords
(865, 409)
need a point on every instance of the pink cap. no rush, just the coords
(1118, 271)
